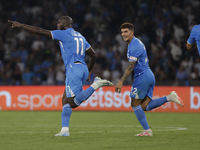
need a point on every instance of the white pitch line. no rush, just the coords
(134, 128)
(23, 132)
(95, 126)
(101, 131)
(85, 132)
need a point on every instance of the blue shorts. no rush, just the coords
(143, 85)
(76, 75)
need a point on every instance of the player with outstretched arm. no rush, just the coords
(73, 48)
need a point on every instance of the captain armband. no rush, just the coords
(131, 58)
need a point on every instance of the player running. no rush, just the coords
(144, 80)
(73, 48)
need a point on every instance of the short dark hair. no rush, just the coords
(127, 25)
(67, 19)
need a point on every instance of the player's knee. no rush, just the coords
(70, 101)
(135, 103)
(73, 105)
(145, 103)
(144, 106)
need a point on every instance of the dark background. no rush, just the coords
(162, 25)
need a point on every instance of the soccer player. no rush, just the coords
(144, 80)
(73, 48)
(194, 37)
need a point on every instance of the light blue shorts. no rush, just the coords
(143, 85)
(76, 75)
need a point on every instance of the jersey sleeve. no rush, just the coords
(135, 53)
(191, 39)
(57, 35)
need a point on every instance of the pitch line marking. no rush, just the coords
(100, 131)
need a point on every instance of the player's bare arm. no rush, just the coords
(124, 77)
(92, 60)
(188, 46)
(32, 29)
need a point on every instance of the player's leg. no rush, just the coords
(141, 117)
(65, 115)
(84, 95)
(153, 103)
(74, 94)
(149, 104)
(68, 100)
(139, 91)
(136, 105)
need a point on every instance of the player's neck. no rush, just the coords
(130, 39)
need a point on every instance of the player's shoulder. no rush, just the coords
(196, 27)
(73, 32)
(137, 43)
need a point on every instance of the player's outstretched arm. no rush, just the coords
(32, 29)
(125, 76)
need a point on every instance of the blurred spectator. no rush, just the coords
(37, 70)
(197, 65)
(60, 73)
(50, 76)
(17, 76)
(27, 77)
(194, 75)
(107, 73)
(182, 77)
(163, 26)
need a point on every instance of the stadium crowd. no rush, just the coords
(163, 26)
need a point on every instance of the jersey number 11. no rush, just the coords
(77, 45)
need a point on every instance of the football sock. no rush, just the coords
(139, 112)
(84, 95)
(65, 129)
(65, 115)
(156, 103)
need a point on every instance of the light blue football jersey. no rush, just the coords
(195, 36)
(72, 45)
(137, 52)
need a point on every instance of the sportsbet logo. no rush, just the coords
(50, 98)
(194, 99)
(11, 100)
(108, 99)
(7, 96)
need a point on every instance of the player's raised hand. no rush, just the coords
(15, 24)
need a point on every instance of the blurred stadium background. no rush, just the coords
(27, 59)
(163, 26)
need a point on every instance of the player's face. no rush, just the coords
(61, 24)
(127, 34)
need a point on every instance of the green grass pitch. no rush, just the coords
(23, 130)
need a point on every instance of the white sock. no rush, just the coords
(167, 97)
(65, 129)
(148, 130)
